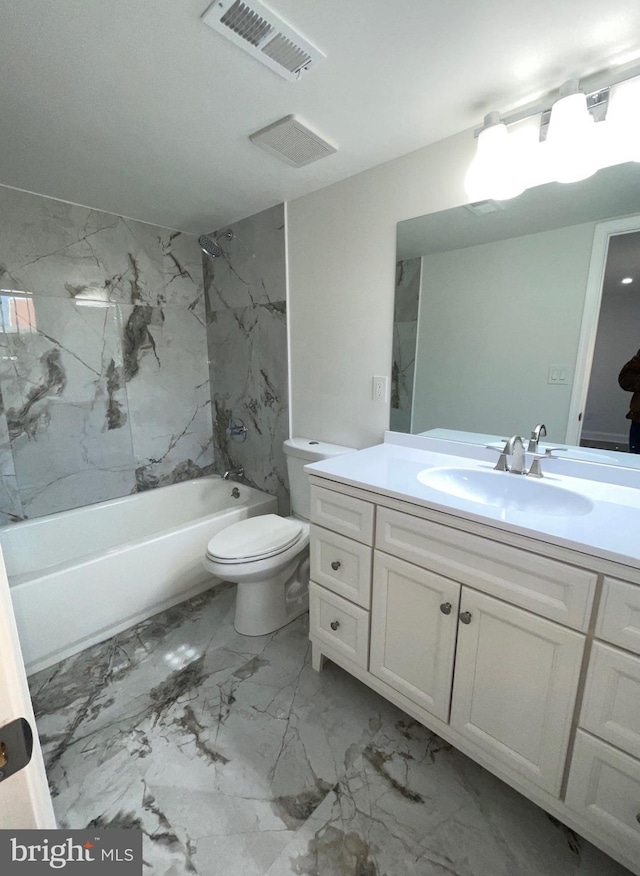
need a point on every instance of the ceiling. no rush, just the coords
(137, 108)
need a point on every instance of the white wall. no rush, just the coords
(493, 319)
(342, 245)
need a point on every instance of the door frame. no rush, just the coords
(604, 231)
(25, 800)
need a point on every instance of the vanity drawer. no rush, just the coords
(619, 614)
(343, 514)
(342, 626)
(547, 587)
(342, 565)
(604, 790)
(611, 707)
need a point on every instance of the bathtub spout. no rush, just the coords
(233, 473)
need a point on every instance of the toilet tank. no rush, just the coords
(300, 452)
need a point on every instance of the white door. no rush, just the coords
(414, 617)
(516, 680)
(25, 801)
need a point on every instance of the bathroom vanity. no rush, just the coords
(505, 617)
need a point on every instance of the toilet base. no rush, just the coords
(264, 606)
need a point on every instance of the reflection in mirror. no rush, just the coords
(490, 300)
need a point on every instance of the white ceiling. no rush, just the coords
(137, 108)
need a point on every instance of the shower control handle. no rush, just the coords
(334, 625)
(335, 565)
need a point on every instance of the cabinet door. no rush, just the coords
(414, 616)
(604, 789)
(516, 679)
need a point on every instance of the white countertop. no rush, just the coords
(611, 530)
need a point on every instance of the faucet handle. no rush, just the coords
(501, 464)
(535, 471)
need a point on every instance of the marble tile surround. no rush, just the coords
(247, 339)
(405, 332)
(106, 392)
(235, 758)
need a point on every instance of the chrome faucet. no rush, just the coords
(539, 431)
(515, 448)
(233, 473)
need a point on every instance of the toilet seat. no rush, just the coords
(257, 538)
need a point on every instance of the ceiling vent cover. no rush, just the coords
(291, 141)
(263, 34)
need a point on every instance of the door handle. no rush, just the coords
(16, 747)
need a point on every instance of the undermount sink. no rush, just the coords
(508, 491)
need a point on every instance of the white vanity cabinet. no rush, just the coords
(414, 619)
(490, 640)
(604, 779)
(516, 680)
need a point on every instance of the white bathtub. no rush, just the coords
(80, 576)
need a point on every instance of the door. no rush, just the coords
(413, 632)
(25, 801)
(516, 679)
(608, 337)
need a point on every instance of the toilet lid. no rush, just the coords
(257, 537)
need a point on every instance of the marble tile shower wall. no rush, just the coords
(103, 357)
(247, 336)
(405, 332)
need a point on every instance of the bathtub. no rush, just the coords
(80, 576)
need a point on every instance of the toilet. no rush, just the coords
(268, 556)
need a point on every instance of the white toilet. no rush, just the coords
(268, 556)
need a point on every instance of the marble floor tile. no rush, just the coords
(235, 758)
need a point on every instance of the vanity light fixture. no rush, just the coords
(591, 124)
(495, 166)
(571, 145)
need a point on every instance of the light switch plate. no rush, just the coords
(558, 375)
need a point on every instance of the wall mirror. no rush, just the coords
(513, 313)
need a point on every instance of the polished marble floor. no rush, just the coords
(235, 758)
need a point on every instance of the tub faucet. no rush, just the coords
(539, 431)
(233, 473)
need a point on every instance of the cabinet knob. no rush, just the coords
(335, 565)
(465, 617)
(334, 625)
(445, 608)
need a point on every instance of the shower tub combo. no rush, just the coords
(80, 576)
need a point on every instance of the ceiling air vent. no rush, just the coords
(291, 141)
(263, 34)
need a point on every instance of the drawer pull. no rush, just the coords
(335, 565)
(334, 625)
(465, 617)
(445, 608)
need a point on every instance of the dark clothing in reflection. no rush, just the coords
(629, 380)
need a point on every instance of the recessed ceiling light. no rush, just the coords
(626, 280)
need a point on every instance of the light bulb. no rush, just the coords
(623, 121)
(494, 172)
(571, 142)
